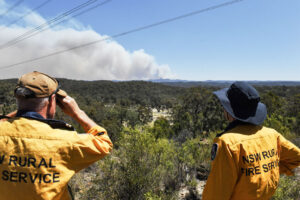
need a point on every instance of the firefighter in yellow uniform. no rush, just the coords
(39, 155)
(247, 158)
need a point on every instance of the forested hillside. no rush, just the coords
(168, 158)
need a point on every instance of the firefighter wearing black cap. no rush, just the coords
(39, 155)
(247, 158)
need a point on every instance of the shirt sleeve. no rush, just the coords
(289, 156)
(90, 147)
(223, 175)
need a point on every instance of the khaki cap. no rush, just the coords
(41, 84)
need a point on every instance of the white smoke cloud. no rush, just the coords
(106, 60)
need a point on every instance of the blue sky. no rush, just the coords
(250, 40)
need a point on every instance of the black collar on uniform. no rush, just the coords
(230, 126)
(51, 122)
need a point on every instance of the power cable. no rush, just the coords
(127, 32)
(61, 16)
(14, 41)
(59, 22)
(31, 11)
(11, 8)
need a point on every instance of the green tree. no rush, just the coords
(289, 189)
(198, 113)
(141, 167)
(281, 124)
(273, 103)
(162, 128)
(145, 114)
(294, 112)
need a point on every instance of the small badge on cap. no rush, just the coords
(214, 150)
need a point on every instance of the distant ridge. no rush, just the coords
(169, 80)
(221, 83)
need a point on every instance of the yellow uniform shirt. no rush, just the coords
(37, 161)
(247, 162)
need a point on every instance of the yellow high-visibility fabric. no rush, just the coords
(248, 163)
(37, 161)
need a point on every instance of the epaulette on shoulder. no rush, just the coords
(59, 124)
(4, 117)
(56, 124)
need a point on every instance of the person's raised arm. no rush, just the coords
(87, 148)
(71, 108)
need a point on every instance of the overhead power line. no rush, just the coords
(44, 25)
(54, 24)
(11, 8)
(126, 32)
(31, 11)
